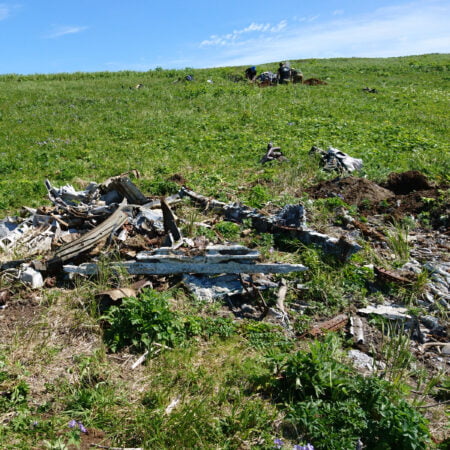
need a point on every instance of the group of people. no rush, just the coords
(285, 74)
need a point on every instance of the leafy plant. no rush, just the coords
(333, 407)
(139, 322)
(228, 230)
(265, 336)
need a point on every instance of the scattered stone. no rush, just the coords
(364, 362)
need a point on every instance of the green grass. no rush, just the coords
(236, 382)
(91, 126)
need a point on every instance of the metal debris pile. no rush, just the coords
(71, 237)
(80, 227)
(336, 160)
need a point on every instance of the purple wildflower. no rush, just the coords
(303, 447)
(74, 424)
(278, 443)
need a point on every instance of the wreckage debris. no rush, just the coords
(88, 240)
(218, 287)
(165, 260)
(357, 330)
(273, 153)
(334, 324)
(120, 293)
(282, 223)
(364, 362)
(390, 276)
(172, 267)
(370, 90)
(267, 79)
(392, 312)
(335, 160)
(32, 277)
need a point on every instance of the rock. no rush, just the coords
(364, 362)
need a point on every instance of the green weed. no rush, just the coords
(139, 322)
(397, 239)
(333, 407)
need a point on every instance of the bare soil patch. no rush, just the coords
(354, 191)
(407, 193)
(407, 182)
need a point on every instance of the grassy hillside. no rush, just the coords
(90, 126)
(213, 380)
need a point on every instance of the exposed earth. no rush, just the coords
(407, 193)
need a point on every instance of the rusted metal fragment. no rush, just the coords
(334, 324)
(390, 276)
(91, 238)
(177, 267)
(368, 231)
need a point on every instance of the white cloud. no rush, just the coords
(338, 12)
(279, 27)
(407, 29)
(63, 30)
(236, 36)
(5, 11)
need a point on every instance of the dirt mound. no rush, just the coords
(314, 82)
(407, 193)
(407, 182)
(429, 203)
(353, 190)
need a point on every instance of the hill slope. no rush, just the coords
(236, 372)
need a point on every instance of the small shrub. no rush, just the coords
(139, 322)
(333, 407)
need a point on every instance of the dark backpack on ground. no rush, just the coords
(285, 73)
(250, 73)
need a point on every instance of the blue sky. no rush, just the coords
(49, 36)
